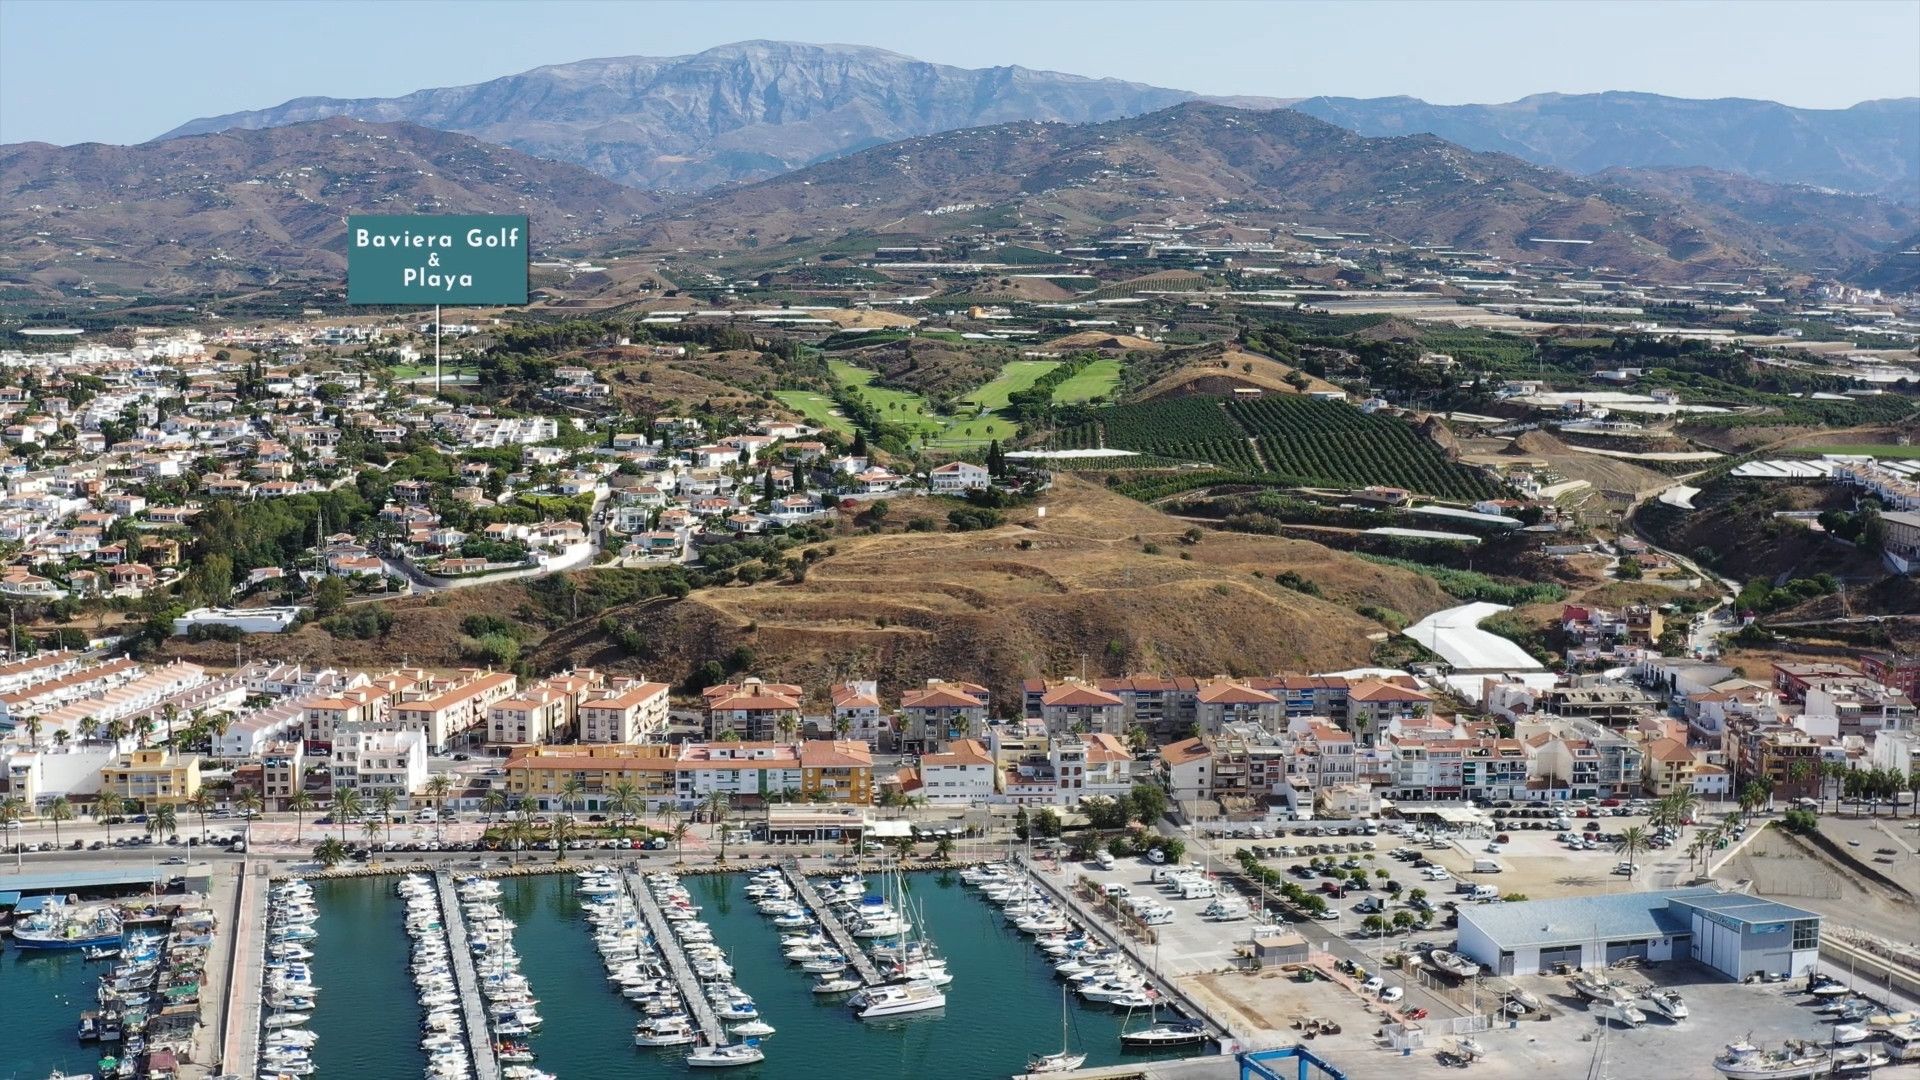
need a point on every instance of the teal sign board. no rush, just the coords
(436, 259)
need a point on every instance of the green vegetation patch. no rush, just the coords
(817, 408)
(1018, 375)
(1095, 380)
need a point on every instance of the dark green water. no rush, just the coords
(42, 994)
(367, 1014)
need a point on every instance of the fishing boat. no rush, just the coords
(1903, 1043)
(1064, 1060)
(1453, 963)
(102, 953)
(59, 925)
(1667, 1003)
(727, 1056)
(1745, 1061)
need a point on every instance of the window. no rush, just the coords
(1806, 934)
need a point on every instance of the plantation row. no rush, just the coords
(1342, 444)
(1302, 441)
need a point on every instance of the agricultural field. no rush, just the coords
(1018, 375)
(1290, 440)
(1095, 380)
(1329, 442)
(819, 409)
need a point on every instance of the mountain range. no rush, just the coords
(755, 109)
(1282, 166)
(244, 207)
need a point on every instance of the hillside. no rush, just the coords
(1830, 227)
(1871, 148)
(737, 112)
(1279, 165)
(1213, 371)
(1038, 596)
(245, 207)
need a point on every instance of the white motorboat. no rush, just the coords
(1798, 1061)
(287, 1020)
(674, 1030)
(1848, 1034)
(1165, 1034)
(723, 1057)
(1903, 1042)
(1460, 967)
(897, 999)
(1667, 1003)
(752, 1029)
(1619, 1012)
(835, 984)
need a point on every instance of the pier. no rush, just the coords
(240, 1013)
(697, 1004)
(830, 920)
(479, 1035)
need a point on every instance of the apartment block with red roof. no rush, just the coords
(631, 713)
(455, 712)
(857, 712)
(936, 714)
(752, 709)
(1224, 702)
(961, 776)
(1075, 706)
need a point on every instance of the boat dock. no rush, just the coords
(479, 1036)
(830, 920)
(1210, 1067)
(697, 1004)
(241, 1012)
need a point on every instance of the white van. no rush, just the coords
(1484, 892)
(1104, 859)
(1485, 866)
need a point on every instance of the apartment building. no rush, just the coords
(540, 774)
(962, 776)
(1078, 707)
(1222, 703)
(535, 715)
(857, 713)
(283, 772)
(1669, 768)
(152, 777)
(372, 761)
(935, 715)
(759, 771)
(446, 715)
(753, 709)
(628, 714)
(836, 770)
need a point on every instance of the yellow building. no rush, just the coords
(840, 770)
(541, 773)
(1669, 767)
(152, 777)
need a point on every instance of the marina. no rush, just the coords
(677, 962)
(830, 921)
(466, 981)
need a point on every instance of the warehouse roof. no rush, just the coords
(1614, 916)
(1750, 910)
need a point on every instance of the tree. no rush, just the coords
(347, 804)
(1754, 795)
(1047, 822)
(386, 800)
(1633, 841)
(680, 831)
(247, 800)
(1022, 824)
(1149, 802)
(329, 852)
(371, 830)
(626, 803)
(164, 821)
(1104, 812)
(300, 802)
(1373, 924)
(1913, 788)
(943, 849)
(330, 596)
(1402, 919)
(439, 786)
(717, 805)
(562, 832)
(107, 807)
(494, 803)
(201, 802)
(58, 811)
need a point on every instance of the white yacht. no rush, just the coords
(897, 999)
(1667, 1003)
(722, 1057)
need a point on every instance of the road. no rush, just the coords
(575, 557)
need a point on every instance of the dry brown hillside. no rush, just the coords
(1221, 371)
(1037, 596)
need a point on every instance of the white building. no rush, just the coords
(376, 761)
(961, 776)
(957, 476)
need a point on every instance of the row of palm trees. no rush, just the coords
(200, 728)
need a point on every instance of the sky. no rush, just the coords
(112, 71)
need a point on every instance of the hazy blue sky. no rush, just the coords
(75, 71)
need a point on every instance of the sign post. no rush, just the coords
(417, 259)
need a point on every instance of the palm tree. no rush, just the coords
(61, 738)
(371, 830)
(519, 834)
(788, 726)
(164, 821)
(1836, 773)
(33, 731)
(329, 852)
(494, 802)
(12, 809)
(842, 726)
(625, 803)
(1913, 788)
(386, 800)
(58, 811)
(439, 786)
(89, 729)
(347, 804)
(248, 801)
(716, 804)
(107, 807)
(902, 847)
(1754, 796)
(680, 832)
(562, 832)
(943, 848)
(201, 802)
(116, 731)
(1633, 841)
(300, 802)
(169, 712)
(572, 791)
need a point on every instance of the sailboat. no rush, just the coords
(1062, 1061)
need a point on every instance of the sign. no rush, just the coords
(420, 259)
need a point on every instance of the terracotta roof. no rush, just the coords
(1226, 693)
(1185, 751)
(962, 752)
(1076, 695)
(939, 697)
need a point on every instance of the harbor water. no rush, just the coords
(1003, 1005)
(42, 994)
